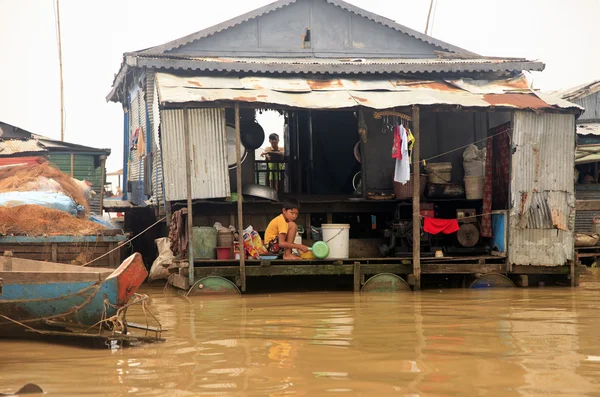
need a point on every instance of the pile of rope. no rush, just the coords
(28, 177)
(35, 220)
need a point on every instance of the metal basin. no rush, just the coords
(261, 191)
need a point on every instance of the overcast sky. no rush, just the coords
(563, 34)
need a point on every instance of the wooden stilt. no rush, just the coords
(188, 180)
(238, 153)
(416, 200)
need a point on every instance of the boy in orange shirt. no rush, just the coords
(282, 230)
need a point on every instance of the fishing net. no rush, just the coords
(35, 220)
(29, 177)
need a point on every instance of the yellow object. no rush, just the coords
(276, 226)
(307, 255)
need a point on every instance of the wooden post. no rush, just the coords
(72, 165)
(54, 252)
(416, 200)
(238, 155)
(102, 178)
(356, 276)
(60, 68)
(8, 261)
(188, 181)
(572, 272)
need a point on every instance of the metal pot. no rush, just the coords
(252, 135)
(231, 142)
(261, 191)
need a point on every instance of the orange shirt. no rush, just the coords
(276, 226)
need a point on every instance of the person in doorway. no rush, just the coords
(274, 153)
(281, 232)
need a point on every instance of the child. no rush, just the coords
(274, 153)
(282, 230)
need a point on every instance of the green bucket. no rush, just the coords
(320, 249)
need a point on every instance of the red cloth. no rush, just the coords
(437, 226)
(397, 147)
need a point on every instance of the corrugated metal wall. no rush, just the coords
(591, 103)
(583, 219)
(210, 177)
(154, 117)
(542, 217)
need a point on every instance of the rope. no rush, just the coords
(424, 161)
(126, 242)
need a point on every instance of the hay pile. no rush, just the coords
(35, 220)
(25, 177)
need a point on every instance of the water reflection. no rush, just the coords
(435, 343)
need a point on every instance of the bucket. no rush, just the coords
(223, 253)
(204, 242)
(337, 237)
(474, 187)
(439, 172)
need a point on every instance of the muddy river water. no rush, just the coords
(517, 342)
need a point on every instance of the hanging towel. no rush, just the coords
(402, 171)
(397, 146)
(437, 226)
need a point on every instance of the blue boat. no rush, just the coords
(34, 293)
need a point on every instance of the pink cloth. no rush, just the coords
(437, 226)
(397, 147)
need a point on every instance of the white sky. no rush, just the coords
(563, 34)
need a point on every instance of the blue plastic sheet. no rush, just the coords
(57, 201)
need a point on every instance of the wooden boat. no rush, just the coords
(34, 293)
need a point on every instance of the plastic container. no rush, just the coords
(439, 172)
(596, 225)
(224, 238)
(320, 249)
(474, 187)
(337, 237)
(223, 253)
(406, 191)
(204, 242)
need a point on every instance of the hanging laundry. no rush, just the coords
(437, 226)
(402, 170)
(397, 146)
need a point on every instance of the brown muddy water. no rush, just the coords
(518, 342)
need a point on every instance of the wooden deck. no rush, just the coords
(358, 267)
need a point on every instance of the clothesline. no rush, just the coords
(466, 217)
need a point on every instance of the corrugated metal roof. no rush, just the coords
(543, 212)
(11, 147)
(333, 66)
(579, 91)
(210, 174)
(347, 93)
(588, 129)
(283, 3)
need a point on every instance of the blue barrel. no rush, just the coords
(204, 242)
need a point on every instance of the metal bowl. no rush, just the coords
(261, 191)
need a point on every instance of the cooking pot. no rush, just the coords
(231, 141)
(252, 134)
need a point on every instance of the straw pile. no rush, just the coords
(21, 178)
(35, 220)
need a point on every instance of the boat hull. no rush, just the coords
(66, 293)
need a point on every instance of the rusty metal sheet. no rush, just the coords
(588, 129)
(347, 93)
(210, 174)
(587, 154)
(542, 218)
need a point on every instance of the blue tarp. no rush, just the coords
(57, 201)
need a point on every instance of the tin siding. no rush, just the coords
(154, 117)
(542, 217)
(591, 103)
(210, 176)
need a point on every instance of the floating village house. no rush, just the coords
(344, 78)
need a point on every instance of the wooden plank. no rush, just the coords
(520, 269)
(462, 268)
(49, 277)
(179, 281)
(385, 268)
(60, 239)
(416, 199)
(587, 205)
(54, 253)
